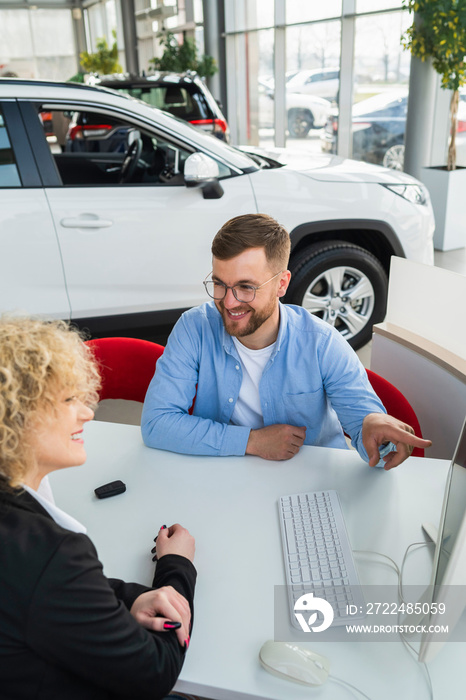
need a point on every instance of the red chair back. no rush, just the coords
(396, 404)
(127, 366)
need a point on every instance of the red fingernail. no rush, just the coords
(186, 642)
(164, 527)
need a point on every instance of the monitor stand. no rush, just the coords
(431, 531)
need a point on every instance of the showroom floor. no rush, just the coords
(454, 260)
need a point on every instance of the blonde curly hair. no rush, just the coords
(38, 359)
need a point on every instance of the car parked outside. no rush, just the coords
(184, 95)
(378, 125)
(323, 82)
(303, 112)
(112, 239)
(461, 130)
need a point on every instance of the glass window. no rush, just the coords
(111, 17)
(241, 15)
(198, 11)
(177, 19)
(42, 22)
(26, 46)
(461, 130)
(313, 79)
(260, 87)
(299, 11)
(9, 176)
(92, 148)
(60, 62)
(313, 59)
(95, 23)
(381, 89)
(185, 102)
(394, 103)
(376, 5)
(15, 34)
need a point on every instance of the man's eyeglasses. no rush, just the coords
(242, 292)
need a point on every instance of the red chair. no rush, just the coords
(127, 366)
(396, 405)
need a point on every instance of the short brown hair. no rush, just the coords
(253, 231)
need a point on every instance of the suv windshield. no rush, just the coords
(181, 101)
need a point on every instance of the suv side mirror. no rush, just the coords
(132, 136)
(202, 171)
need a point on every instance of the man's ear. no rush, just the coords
(284, 282)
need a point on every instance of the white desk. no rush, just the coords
(229, 505)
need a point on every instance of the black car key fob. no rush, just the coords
(111, 489)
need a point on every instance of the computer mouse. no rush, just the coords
(294, 663)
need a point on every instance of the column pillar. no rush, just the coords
(129, 36)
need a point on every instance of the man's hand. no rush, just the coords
(276, 441)
(157, 611)
(378, 429)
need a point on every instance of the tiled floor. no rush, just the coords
(454, 260)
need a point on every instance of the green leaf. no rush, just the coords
(104, 61)
(179, 58)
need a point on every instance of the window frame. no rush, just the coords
(20, 145)
(49, 174)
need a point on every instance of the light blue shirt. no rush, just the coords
(313, 378)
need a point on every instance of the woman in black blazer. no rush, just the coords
(66, 631)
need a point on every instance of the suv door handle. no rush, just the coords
(87, 221)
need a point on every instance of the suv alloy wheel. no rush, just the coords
(300, 122)
(343, 284)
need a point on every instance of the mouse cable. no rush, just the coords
(400, 577)
(399, 573)
(394, 565)
(349, 685)
(411, 650)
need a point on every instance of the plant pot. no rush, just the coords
(447, 190)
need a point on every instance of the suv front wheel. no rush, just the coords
(342, 284)
(300, 122)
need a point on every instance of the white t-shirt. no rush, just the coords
(248, 410)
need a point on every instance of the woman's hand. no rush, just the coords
(175, 540)
(161, 610)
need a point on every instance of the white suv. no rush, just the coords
(120, 236)
(303, 112)
(324, 82)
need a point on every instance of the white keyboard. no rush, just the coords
(317, 553)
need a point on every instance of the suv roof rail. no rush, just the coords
(51, 83)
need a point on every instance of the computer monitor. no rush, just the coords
(448, 584)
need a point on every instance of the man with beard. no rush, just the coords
(265, 377)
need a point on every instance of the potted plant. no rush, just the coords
(439, 33)
(104, 61)
(179, 58)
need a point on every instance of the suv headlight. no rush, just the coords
(416, 194)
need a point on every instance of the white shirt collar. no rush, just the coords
(60, 517)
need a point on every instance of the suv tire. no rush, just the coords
(394, 157)
(343, 284)
(300, 122)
